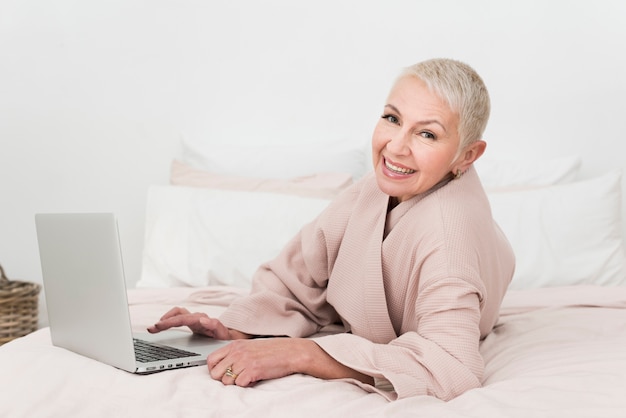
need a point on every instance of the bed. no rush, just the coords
(558, 349)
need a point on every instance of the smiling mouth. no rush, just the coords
(398, 170)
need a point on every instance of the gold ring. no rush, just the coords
(229, 372)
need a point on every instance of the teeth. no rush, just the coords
(398, 170)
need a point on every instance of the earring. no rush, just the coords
(459, 174)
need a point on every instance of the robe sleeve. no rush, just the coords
(440, 358)
(288, 295)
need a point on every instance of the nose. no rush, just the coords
(398, 143)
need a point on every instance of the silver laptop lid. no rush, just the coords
(84, 286)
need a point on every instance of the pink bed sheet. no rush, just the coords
(557, 352)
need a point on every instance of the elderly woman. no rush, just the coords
(408, 260)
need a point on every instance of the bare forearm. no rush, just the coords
(313, 361)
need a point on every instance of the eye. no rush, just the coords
(427, 135)
(390, 118)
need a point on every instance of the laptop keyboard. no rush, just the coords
(146, 352)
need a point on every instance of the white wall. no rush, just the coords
(94, 96)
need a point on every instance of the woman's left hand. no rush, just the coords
(245, 362)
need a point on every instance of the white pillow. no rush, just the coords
(280, 161)
(499, 174)
(566, 234)
(199, 237)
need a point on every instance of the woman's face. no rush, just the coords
(415, 142)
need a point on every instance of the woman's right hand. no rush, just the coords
(199, 323)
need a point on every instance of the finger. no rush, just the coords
(175, 312)
(182, 320)
(216, 362)
(230, 376)
(243, 379)
(153, 329)
(156, 328)
(169, 314)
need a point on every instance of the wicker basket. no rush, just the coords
(19, 303)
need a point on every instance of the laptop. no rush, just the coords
(85, 289)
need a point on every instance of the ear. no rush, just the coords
(469, 155)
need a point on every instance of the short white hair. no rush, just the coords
(462, 88)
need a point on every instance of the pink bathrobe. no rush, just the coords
(415, 289)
